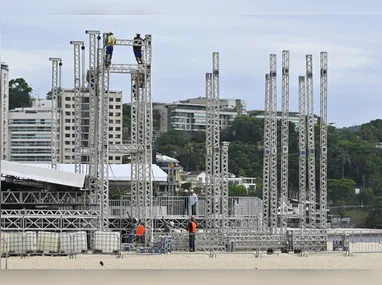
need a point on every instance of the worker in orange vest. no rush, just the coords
(140, 231)
(191, 234)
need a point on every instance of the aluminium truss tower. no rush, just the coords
(284, 141)
(311, 142)
(209, 151)
(78, 101)
(224, 185)
(217, 191)
(4, 100)
(273, 143)
(302, 150)
(103, 137)
(56, 96)
(266, 158)
(94, 38)
(323, 138)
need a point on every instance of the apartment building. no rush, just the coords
(30, 133)
(68, 125)
(190, 114)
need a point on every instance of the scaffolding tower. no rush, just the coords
(266, 156)
(4, 100)
(284, 141)
(323, 139)
(311, 142)
(56, 99)
(302, 150)
(273, 143)
(78, 101)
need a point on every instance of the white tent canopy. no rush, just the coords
(32, 172)
(117, 172)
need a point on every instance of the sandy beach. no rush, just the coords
(201, 261)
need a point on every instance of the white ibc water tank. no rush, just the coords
(72, 243)
(15, 242)
(4, 244)
(106, 242)
(30, 241)
(48, 242)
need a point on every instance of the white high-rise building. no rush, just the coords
(67, 133)
(30, 129)
(4, 103)
(30, 132)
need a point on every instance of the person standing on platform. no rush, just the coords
(186, 198)
(193, 202)
(191, 234)
(137, 48)
(110, 42)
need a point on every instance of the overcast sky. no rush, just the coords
(184, 36)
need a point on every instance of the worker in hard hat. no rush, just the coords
(110, 42)
(168, 226)
(137, 48)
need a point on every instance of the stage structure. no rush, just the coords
(312, 211)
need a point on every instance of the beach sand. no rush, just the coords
(331, 260)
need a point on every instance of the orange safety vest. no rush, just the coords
(193, 227)
(140, 231)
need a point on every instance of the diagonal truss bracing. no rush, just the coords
(78, 45)
(311, 142)
(323, 137)
(93, 79)
(266, 158)
(302, 149)
(56, 94)
(273, 143)
(224, 185)
(217, 191)
(284, 140)
(209, 149)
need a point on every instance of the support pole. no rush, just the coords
(56, 96)
(324, 139)
(311, 143)
(267, 152)
(302, 150)
(273, 144)
(78, 45)
(284, 142)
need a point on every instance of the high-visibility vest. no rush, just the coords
(193, 228)
(140, 231)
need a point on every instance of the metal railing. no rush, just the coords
(180, 206)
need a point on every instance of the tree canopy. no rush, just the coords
(19, 94)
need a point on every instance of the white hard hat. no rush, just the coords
(172, 223)
(186, 190)
(192, 191)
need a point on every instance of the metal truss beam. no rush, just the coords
(43, 198)
(127, 68)
(267, 152)
(311, 142)
(224, 185)
(78, 100)
(36, 220)
(4, 100)
(284, 141)
(302, 149)
(217, 191)
(273, 144)
(56, 94)
(209, 149)
(103, 140)
(125, 149)
(323, 138)
(94, 44)
(122, 42)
